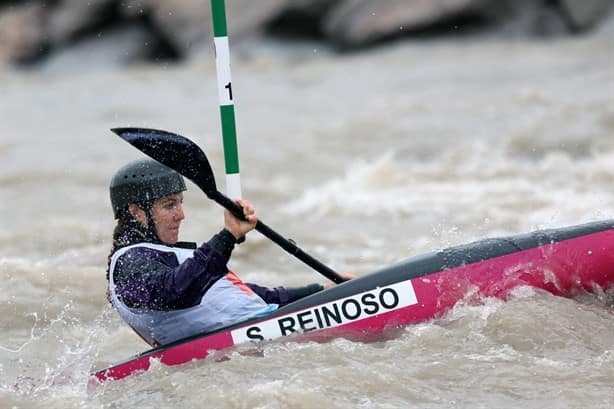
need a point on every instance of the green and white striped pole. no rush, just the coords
(227, 109)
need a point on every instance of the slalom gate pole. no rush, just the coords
(225, 97)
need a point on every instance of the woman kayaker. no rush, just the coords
(167, 290)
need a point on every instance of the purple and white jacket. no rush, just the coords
(166, 293)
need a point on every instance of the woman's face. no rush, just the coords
(167, 214)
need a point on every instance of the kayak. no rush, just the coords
(564, 262)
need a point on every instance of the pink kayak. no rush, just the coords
(564, 262)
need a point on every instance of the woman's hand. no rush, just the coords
(239, 228)
(346, 276)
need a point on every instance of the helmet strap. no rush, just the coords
(151, 231)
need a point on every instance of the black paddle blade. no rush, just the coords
(175, 151)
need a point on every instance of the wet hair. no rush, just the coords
(129, 231)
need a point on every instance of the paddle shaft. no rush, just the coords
(284, 243)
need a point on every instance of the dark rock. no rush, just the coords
(248, 17)
(187, 24)
(584, 14)
(359, 22)
(301, 18)
(549, 22)
(180, 28)
(71, 18)
(134, 8)
(525, 18)
(118, 46)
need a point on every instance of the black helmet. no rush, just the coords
(142, 182)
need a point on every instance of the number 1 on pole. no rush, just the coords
(227, 111)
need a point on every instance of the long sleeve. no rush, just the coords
(150, 279)
(284, 295)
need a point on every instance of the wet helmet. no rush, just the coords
(142, 182)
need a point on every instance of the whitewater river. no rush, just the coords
(363, 159)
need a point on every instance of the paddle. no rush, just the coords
(184, 156)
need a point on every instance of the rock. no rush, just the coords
(513, 18)
(583, 14)
(301, 19)
(134, 8)
(22, 32)
(182, 23)
(73, 17)
(187, 24)
(247, 16)
(181, 28)
(359, 22)
(356, 23)
(550, 22)
(118, 46)
(311, 7)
